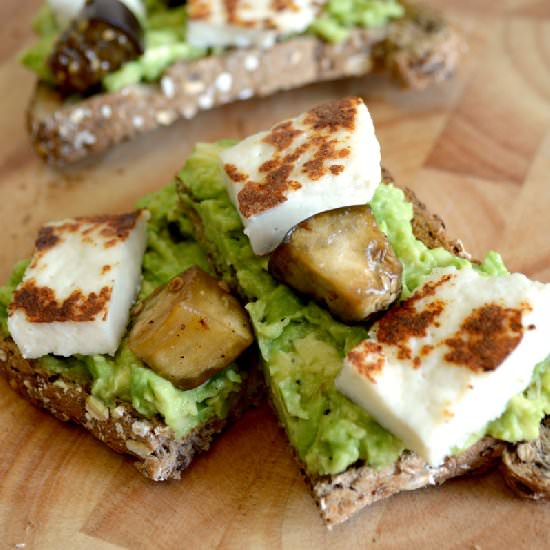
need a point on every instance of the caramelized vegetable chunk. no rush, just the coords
(190, 329)
(104, 36)
(343, 259)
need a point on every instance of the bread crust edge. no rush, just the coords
(159, 455)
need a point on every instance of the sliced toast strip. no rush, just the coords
(419, 49)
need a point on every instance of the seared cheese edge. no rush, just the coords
(215, 23)
(323, 159)
(76, 294)
(477, 342)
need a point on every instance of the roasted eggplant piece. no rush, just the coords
(190, 329)
(104, 36)
(341, 258)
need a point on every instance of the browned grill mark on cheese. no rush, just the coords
(403, 322)
(282, 135)
(335, 115)
(198, 9)
(426, 350)
(105, 269)
(282, 5)
(201, 9)
(254, 198)
(326, 151)
(234, 173)
(258, 196)
(485, 338)
(113, 227)
(231, 7)
(359, 359)
(41, 305)
(116, 227)
(46, 238)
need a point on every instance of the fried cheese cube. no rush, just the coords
(76, 294)
(443, 363)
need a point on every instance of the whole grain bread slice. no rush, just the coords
(342, 495)
(526, 466)
(159, 454)
(419, 49)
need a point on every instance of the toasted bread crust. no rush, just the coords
(159, 454)
(340, 496)
(526, 466)
(420, 49)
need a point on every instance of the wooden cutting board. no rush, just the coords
(476, 149)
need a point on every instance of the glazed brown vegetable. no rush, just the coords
(104, 36)
(343, 259)
(190, 329)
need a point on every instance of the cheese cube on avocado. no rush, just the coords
(445, 362)
(242, 23)
(326, 158)
(76, 294)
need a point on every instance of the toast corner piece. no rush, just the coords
(422, 48)
(526, 466)
(158, 454)
(340, 496)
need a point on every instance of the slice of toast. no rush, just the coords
(419, 49)
(342, 495)
(159, 454)
(67, 393)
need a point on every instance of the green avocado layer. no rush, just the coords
(170, 250)
(165, 37)
(302, 346)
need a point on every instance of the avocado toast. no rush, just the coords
(347, 457)
(193, 57)
(127, 405)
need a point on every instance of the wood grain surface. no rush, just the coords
(476, 149)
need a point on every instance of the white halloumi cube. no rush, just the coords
(76, 294)
(244, 23)
(326, 158)
(442, 364)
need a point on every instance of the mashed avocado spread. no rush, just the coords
(170, 250)
(302, 346)
(165, 36)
